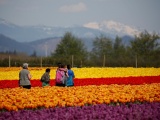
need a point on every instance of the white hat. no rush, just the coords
(25, 65)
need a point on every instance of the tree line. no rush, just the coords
(142, 51)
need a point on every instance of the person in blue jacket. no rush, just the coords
(70, 80)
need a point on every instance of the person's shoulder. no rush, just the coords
(27, 71)
(46, 73)
(71, 70)
(24, 70)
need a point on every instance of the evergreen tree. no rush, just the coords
(119, 53)
(145, 46)
(102, 51)
(34, 54)
(69, 50)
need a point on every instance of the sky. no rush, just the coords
(138, 13)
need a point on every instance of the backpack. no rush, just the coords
(60, 77)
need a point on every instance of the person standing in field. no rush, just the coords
(45, 79)
(61, 75)
(70, 80)
(25, 77)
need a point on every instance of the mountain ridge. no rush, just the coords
(42, 47)
(113, 27)
(31, 33)
(44, 39)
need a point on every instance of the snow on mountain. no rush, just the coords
(38, 37)
(90, 30)
(2, 21)
(6, 23)
(113, 28)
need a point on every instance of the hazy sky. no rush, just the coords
(139, 13)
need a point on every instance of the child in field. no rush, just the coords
(70, 80)
(45, 79)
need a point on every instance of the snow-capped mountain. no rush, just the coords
(4, 22)
(45, 38)
(32, 33)
(113, 27)
(90, 30)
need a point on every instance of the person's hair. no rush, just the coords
(68, 67)
(62, 66)
(47, 70)
(59, 65)
(25, 65)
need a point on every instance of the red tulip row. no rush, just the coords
(91, 81)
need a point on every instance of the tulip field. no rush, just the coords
(98, 94)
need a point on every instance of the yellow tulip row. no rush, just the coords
(37, 97)
(12, 73)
